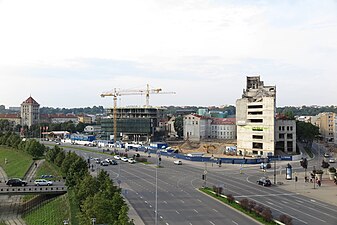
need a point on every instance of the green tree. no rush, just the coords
(77, 170)
(88, 187)
(34, 148)
(51, 153)
(60, 158)
(306, 132)
(179, 126)
(123, 218)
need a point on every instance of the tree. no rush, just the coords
(34, 148)
(179, 126)
(306, 132)
(86, 188)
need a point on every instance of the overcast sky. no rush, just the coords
(65, 53)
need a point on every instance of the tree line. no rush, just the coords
(97, 197)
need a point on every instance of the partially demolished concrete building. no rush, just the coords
(255, 119)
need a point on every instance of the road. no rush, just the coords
(179, 201)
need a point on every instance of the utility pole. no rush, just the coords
(274, 171)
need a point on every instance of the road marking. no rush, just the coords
(172, 194)
(215, 210)
(246, 196)
(270, 203)
(177, 212)
(145, 202)
(211, 222)
(167, 223)
(161, 217)
(199, 200)
(285, 202)
(182, 201)
(299, 201)
(312, 200)
(235, 222)
(165, 202)
(195, 210)
(150, 206)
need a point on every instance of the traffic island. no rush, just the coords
(250, 208)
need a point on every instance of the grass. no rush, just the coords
(51, 212)
(18, 162)
(236, 206)
(48, 169)
(309, 152)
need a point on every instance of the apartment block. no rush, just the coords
(255, 118)
(326, 125)
(30, 113)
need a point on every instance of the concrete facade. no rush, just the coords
(255, 119)
(30, 113)
(285, 135)
(224, 129)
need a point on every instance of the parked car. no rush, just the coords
(16, 182)
(332, 160)
(43, 182)
(326, 155)
(131, 160)
(178, 162)
(97, 160)
(117, 157)
(124, 159)
(113, 162)
(104, 163)
(264, 182)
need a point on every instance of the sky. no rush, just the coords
(66, 53)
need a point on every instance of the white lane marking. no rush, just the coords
(215, 210)
(150, 206)
(199, 200)
(167, 223)
(299, 201)
(267, 195)
(312, 200)
(285, 202)
(211, 222)
(195, 211)
(165, 202)
(161, 217)
(177, 212)
(145, 202)
(270, 203)
(182, 201)
(235, 222)
(172, 194)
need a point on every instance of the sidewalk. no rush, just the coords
(327, 192)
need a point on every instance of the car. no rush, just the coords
(178, 162)
(16, 182)
(117, 157)
(332, 160)
(265, 166)
(131, 160)
(113, 162)
(326, 155)
(97, 160)
(43, 182)
(264, 182)
(124, 159)
(104, 163)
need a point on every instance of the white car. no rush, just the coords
(124, 159)
(178, 162)
(332, 160)
(117, 157)
(43, 182)
(131, 160)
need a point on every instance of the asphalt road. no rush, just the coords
(179, 201)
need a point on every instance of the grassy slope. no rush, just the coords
(18, 161)
(51, 212)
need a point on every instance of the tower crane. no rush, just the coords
(116, 93)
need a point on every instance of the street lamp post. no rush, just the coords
(156, 200)
(93, 220)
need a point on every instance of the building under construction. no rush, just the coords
(139, 124)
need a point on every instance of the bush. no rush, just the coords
(258, 209)
(141, 159)
(266, 214)
(287, 220)
(230, 198)
(244, 203)
(251, 205)
(332, 170)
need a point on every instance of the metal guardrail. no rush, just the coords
(33, 190)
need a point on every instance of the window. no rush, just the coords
(279, 128)
(281, 136)
(255, 107)
(257, 136)
(255, 113)
(289, 136)
(256, 120)
(257, 128)
(287, 128)
(196, 122)
(291, 127)
(257, 145)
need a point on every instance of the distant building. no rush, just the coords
(15, 119)
(85, 119)
(326, 125)
(198, 128)
(15, 109)
(255, 118)
(171, 132)
(94, 129)
(30, 113)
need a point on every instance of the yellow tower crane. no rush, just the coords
(115, 93)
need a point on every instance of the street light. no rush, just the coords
(93, 220)
(66, 222)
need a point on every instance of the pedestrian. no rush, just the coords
(35, 165)
(319, 183)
